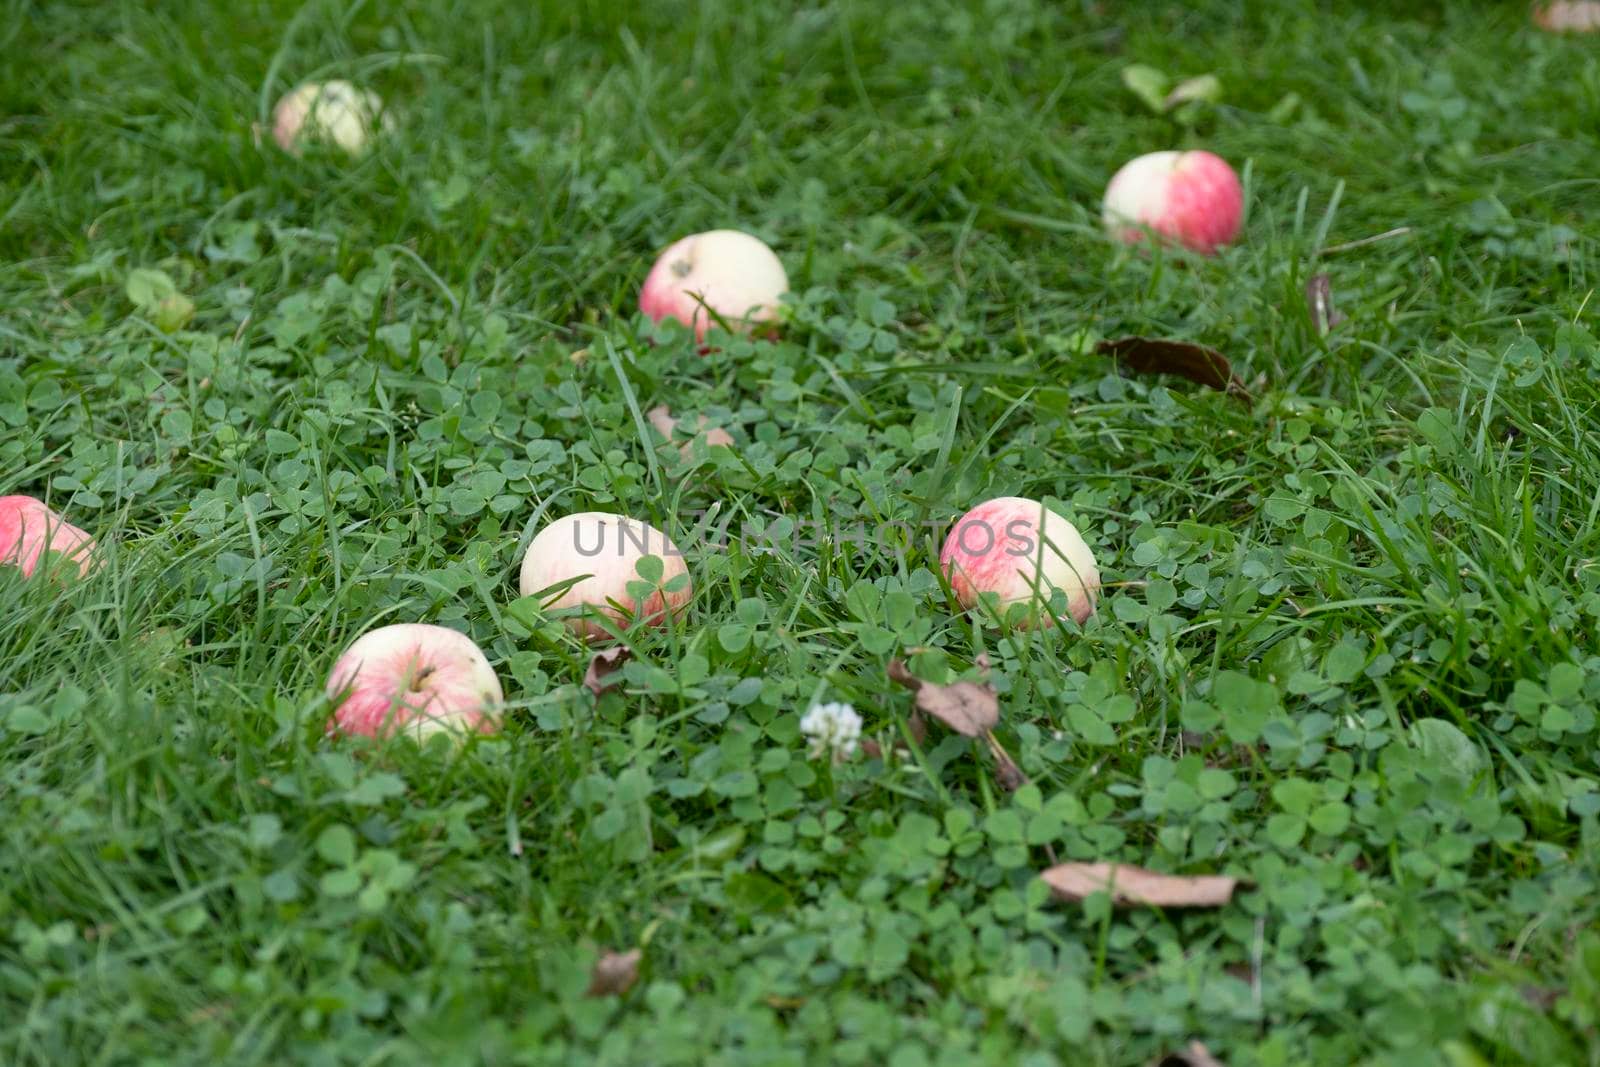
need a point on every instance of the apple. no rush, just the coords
(1020, 551)
(333, 112)
(28, 529)
(602, 551)
(416, 678)
(666, 425)
(1568, 16)
(1192, 197)
(734, 274)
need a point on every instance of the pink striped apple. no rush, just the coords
(29, 529)
(602, 551)
(732, 273)
(1020, 551)
(413, 678)
(1193, 198)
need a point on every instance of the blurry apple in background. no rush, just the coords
(734, 274)
(28, 529)
(333, 112)
(603, 550)
(413, 678)
(1193, 198)
(1019, 550)
(1568, 16)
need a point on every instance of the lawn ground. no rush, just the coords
(1346, 650)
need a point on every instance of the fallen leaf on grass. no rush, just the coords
(1007, 773)
(1207, 87)
(1196, 1055)
(1148, 84)
(1319, 298)
(970, 709)
(1154, 355)
(614, 973)
(1135, 885)
(1541, 998)
(1161, 96)
(1568, 16)
(604, 664)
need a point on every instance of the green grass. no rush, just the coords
(1369, 601)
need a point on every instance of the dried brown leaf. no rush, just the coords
(614, 973)
(1541, 998)
(917, 725)
(901, 676)
(1568, 16)
(1196, 1055)
(602, 665)
(968, 708)
(1135, 885)
(1319, 299)
(1007, 773)
(1196, 362)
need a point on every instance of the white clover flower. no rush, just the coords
(831, 728)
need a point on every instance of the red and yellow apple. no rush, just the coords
(1019, 551)
(731, 273)
(29, 529)
(413, 678)
(667, 426)
(1193, 198)
(602, 552)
